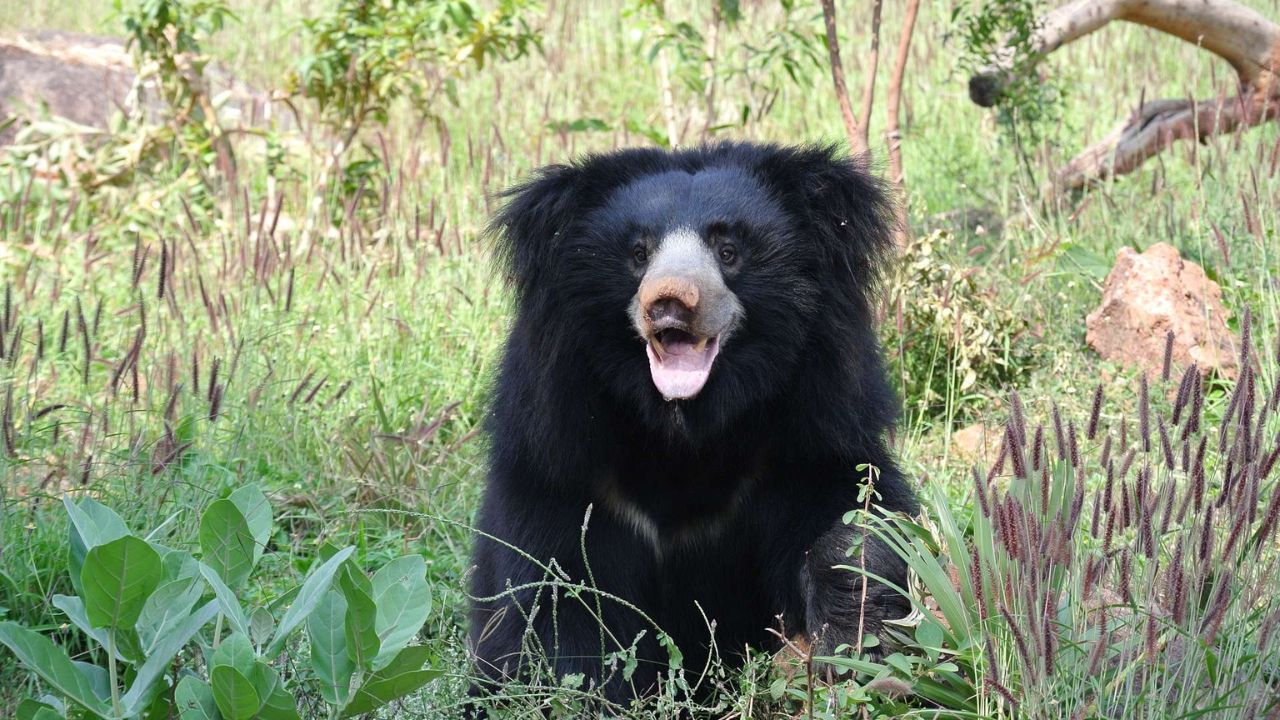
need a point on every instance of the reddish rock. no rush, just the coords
(977, 444)
(1148, 294)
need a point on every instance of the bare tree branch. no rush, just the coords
(869, 84)
(1238, 34)
(1154, 128)
(857, 141)
(893, 133)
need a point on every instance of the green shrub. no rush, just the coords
(1028, 104)
(954, 331)
(146, 608)
(365, 54)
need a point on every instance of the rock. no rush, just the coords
(1148, 294)
(977, 444)
(86, 78)
(79, 77)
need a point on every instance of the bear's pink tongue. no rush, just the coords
(682, 368)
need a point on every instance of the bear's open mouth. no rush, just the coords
(680, 362)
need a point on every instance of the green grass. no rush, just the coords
(402, 324)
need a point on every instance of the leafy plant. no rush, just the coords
(1028, 104)
(703, 60)
(955, 332)
(145, 607)
(365, 54)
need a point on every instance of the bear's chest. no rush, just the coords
(680, 510)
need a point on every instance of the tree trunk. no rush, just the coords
(893, 133)
(856, 144)
(869, 84)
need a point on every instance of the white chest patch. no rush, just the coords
(705, 529)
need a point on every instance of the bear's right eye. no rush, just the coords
(640, 254)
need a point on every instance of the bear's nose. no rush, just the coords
(672, 299)
(665, 312)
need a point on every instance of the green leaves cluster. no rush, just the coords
(957, 333)
(365, 54)
(1028, 104)
(143, 605)
(167, 37)
(790, 51)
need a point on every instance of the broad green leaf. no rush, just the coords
(227, 542)
(178, 564)
(313, 589)
(98, 678)
(158, 704)
(73, 608)
(236, 651)
(30, 709)
(195, 700)
(360, 622)
(265, 680)
(403, 599)
(48, 661)
(1078, 259)
(162, 655)
(382, 687)
(373, 695)
(326, 627)
(118, 577)
(234, 694)
(261, 623)
(280, 706)
(228, 603)
(169, 605)
(92, 524)
(409, 659)
(255, 508)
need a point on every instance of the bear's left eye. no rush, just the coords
(640, 254)
(728, 254)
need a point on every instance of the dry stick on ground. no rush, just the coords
(869, 84)
(856, 142)
(1238, 34)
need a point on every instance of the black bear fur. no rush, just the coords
(724, 510)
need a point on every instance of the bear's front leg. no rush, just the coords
(838, 606)
(529, 623)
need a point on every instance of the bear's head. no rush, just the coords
(698, 285)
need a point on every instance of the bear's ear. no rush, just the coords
(535, 212)
(845, 208)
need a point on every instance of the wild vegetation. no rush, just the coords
(244, 362)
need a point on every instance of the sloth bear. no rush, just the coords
(693, 362)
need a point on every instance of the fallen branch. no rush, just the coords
(1156, 126)
(1238, 34)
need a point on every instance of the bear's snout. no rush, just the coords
(669, 302)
